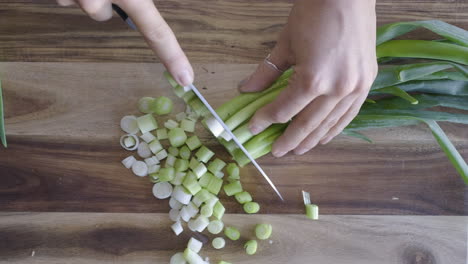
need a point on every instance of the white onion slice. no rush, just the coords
(122, 142)
(144, 150)
(128, 161)
(129, 124)
(140, 169)
(162, 190)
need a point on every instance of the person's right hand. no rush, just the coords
(151, 25)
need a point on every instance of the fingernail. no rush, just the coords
(185, 78)
(278, 153)
(325, 140)
(255, 129)
(300, 151)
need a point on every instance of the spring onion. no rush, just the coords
(214, 126)
(161, 133)
(216, 165)
(129, 124)
(219, 174)
(178, 178)
(171, 124)
(218, 242)
(200, 223)
(155, 147)
(140, 168)
(153, 177)
(215, 227)
(128, 161)
(251, 247)
(312, 210)
(184, 153)
(166, 174)
(206, 210)
(147, 137)
(173, 151)
(187, 125)
(129, 142)
(144, 105)
(181, 165)
(192, 257)
(177, 137)
(147, 123)
(193, 163)
(224, 262)
(205, 179)
(191, 183)
(153, 168)
(161, 154)
(201, 197)
(144, 150)
(263, 231)
(135, 141)
(180, 116)
(215, 185)
(212, 200)
(162, 190)
(174, 214)
(195, 245)
(233, 171)
(243, 197)
(177, 228)
(170, 161)
(233, 188)
(193, 142)
(178, 258)
(151, 161)
(174, 204)
(232, 233)
(161, 105)
(185, 215)
(204, 154)
(199, 170)
(218, 210)
(251, 207)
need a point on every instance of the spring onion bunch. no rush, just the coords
(434, 73)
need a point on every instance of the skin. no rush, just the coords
(330, 44)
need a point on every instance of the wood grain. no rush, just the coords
(63, 129)
(146, 238)
(219, 31)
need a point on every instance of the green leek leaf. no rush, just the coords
(446, 87)
(398, 92)
(356, 134)
(425, 101)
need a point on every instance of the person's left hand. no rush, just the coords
(331, 44)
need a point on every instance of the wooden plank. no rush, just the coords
(147, 238)
(63, 129)
(209, 30)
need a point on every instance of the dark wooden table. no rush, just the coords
(65, 197)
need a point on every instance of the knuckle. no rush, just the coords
(157, 34)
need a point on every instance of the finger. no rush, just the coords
(329, 122)
(65, 2)
(345, 120)
(99, 10)
(160, 38)
(289, 102)
(303, 124)
(269, 69)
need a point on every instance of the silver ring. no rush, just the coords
(272, 65)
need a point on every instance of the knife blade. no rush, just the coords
(124, 16)
(226, 128)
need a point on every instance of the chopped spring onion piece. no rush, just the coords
(153, 169)
(263, 231)
(197, 202)
(215, 227)
(129, 124)
(205, 179)
(166, 174)
(224, 262)
(177, 228)
(161, 154)
(191, 183)
(171, 124)
(195, 245)
(179, 178)
(218, 242)
(124, 137)
(170, 160)
(184, 214)
(204, 154)
(184, 153)
(174, 204)
(155, 146)
(144, 150)
(162, 190)
(128, 161)
(202, 196)
(251, 207)
(147, 123)
(192, 257)
(219, 174)
(173, 151)
(151, 161)
(188, 125)
(233, 171)
(178, 258)
(214, 126)
(218, 210)
(161, 105)
(215, 185)
(312, 211)
(191, 225)
(177, 137)
(216, 165)
(193, 116)
(232, 233)
(161, 133)
(212, 200)
(191, 209)
(243, 197)
(225, 135)
(193, 142)
(206, 210)
(140, 169)
(181, 194)
(181, 165)
(251, 247)
(233, 188)
(148, 137)
(144, 105)
(174, 214)
(200, 223)
(153, 177)
(193, 163)
(200, 170)
(129, 142)
(180, 116)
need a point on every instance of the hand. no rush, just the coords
(151, 25)
(331, 44)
